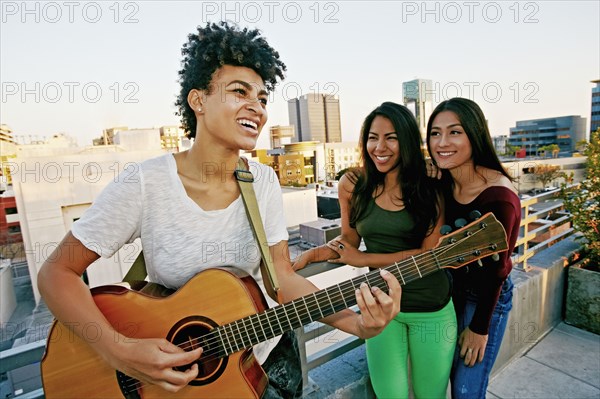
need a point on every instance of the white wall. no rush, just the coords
(299, 205)
(135, 139)
(52, 190)
(8, 299)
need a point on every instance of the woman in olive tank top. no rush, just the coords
(392, 206)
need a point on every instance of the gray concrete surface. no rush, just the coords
(565, 363)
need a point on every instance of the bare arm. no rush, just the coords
(349, 234)
(377, 308)
(69, 299)
(348, 252)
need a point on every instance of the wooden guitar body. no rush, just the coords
(72, 369)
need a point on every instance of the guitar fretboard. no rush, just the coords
(455, 250)
(249, 331)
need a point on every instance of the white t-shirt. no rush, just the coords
(178, 237)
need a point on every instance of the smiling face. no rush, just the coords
(234, 110)
(382, 144)
(448, 142)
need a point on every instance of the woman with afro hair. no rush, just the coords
(187, 210)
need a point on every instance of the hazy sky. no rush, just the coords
(79, 67)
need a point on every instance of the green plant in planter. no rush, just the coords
(583, 203)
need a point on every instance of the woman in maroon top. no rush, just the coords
(460, 145)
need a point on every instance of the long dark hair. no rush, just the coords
(475, 126)
(418, 192)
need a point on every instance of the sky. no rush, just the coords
(80, 67)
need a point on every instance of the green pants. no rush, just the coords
(429, 339)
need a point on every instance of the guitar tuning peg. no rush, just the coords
(479, 263)
(474, 215)
(460, 223)
(445, 229)
(496, 257)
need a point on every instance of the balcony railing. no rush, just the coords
(544, 222)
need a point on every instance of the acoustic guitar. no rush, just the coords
(223, 311)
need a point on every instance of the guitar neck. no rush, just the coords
(249, 331)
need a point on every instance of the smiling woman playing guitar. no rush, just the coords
(187, 210)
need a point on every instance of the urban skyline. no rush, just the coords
(81, 67)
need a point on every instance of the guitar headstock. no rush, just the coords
(480, 238)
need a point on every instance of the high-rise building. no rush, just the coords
(417, 96)
(316, 117)
(595, 115)
(565, 131)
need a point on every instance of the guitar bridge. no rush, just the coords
(129, 386)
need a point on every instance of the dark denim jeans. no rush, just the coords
(472, 382)
(284, 369)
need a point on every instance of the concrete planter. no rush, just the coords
(582, 307)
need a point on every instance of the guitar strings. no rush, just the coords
(272, 314)
(343, 288)
(429, 265)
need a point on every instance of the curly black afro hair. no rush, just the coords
(220, 44)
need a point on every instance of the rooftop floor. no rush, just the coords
(565, 363)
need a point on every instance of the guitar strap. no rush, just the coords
(138, 272)
(245, 180)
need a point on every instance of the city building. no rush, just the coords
(132, 139)
(172, 138)
(316, 117)
(337, 157)
(500, 143)
(281, 135)
(417, 96)
(595, 114)
(57, 144)
(294, 164)
(8, 151)
(564, 131)
(11, 238)
(108, 136)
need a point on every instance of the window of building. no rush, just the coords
(11, 210)
(14, 229)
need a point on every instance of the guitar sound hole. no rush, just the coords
(194, 332)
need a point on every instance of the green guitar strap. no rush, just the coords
(138, 272)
